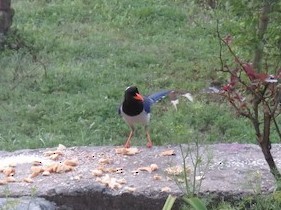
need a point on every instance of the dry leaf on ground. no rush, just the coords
(175, 103)
(188, 96)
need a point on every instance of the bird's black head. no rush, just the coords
(132, 93)
(133, 101)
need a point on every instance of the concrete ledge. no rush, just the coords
(231, 171)
(26, 203)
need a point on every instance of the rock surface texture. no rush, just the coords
(108, 178)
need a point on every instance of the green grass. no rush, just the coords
(65, 83)
(256, 202)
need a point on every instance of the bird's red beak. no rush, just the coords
(138, 97)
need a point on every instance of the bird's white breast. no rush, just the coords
(142, 118)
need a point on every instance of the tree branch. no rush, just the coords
(262, 27)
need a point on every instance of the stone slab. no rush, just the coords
(225, 170)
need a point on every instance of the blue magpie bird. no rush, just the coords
(136, 109)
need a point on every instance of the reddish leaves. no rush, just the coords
(246, 85)
(252, 74)
(247, 67)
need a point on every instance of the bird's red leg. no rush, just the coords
(149, 142)
(128, 142)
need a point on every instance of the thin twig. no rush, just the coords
(184, 170)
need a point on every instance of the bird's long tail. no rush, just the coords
(158, 96)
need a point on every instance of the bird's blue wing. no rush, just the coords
(154, 98)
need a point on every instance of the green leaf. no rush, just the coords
(196, 203)
(169, 202)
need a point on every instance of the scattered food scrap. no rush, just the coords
(101, 170)
(111, 170)
(37, 163)
(58, 168)
(166, 189)
(198, 178)
(9, 171)
(54, 155)
(130, 189)
(61, 147)
(111, 182)
(37, 169)
(28, 180)
(13, 164)
(10, 179)
(72, 162)
(169, 152)
(105, 161)
(46, 173)
(152, 167)
(176, 170)
(97, 172)
(3, 182)
(78, 177)
(157, 177)
(127, 151)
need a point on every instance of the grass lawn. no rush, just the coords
(72, 59)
